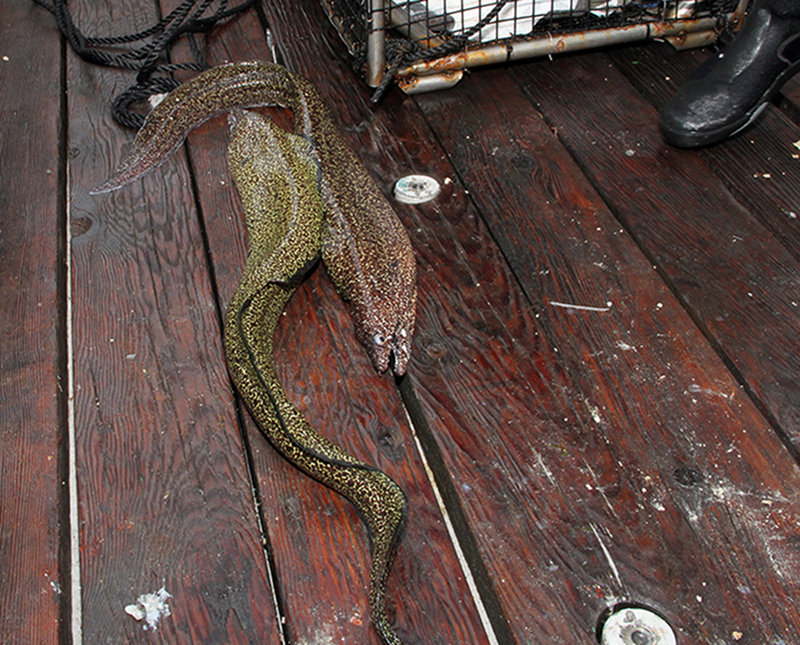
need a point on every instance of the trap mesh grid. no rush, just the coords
(421, 37)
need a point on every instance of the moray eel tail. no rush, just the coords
(379, 501)
(217, 90)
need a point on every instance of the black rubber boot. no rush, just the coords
(728, 92)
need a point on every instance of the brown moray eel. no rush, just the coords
(277, 177)
(365, 248)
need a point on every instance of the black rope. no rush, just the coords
(154, 74)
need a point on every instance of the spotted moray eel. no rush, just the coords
(365, 249)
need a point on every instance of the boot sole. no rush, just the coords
(702, 138)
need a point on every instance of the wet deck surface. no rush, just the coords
(601, 409)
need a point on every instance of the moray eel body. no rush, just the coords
(277, 177)
(365, 248)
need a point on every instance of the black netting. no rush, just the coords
(351, 19)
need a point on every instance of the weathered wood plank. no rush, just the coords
(735, 277)
(572, 432)
(319, 546)
(760, 167)
(165, 498)
(32, 393)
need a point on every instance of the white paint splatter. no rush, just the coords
(612, 565)
(53, 584)
(594, 411)
(322, 636)
(569, 305)
(150, 607)
(695, 388)
(155, 99)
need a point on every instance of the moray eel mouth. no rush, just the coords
(390, 350)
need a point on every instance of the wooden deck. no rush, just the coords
(603, 406)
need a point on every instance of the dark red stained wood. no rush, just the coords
(31, 392)
(761, 167)
(569, 432)
(734, 276)
(165, 497)
(319, 546)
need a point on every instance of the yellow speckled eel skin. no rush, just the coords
(277, 179)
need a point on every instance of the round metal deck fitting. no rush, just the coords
(636, 626)
(416, 189)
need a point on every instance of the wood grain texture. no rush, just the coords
(789, 98)
(496, 406)
(165, 497)
(733, 275)
(319, 546)
(31, 390)
(572, 431)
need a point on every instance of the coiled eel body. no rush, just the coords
(365, 248)
(277, 177)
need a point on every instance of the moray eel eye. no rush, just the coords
(379, 339)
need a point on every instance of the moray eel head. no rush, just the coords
(382, 346)
(387, 337)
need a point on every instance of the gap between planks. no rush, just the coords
(490, 611)
(451, 531)
(76, 615)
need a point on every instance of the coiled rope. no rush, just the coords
(154, 75)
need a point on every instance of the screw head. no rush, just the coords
(636, 626)
(416, 189)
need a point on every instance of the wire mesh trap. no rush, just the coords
(426, 44)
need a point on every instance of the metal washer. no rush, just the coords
(636, 626)
(416, 189)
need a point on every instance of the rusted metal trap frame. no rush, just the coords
(427, 74)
